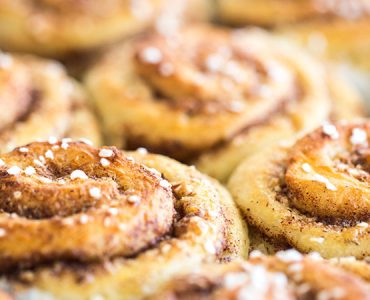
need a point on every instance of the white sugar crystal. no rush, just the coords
(104, 162)
(306, 167)
(86, 141)
(23, 149)
(255, 253)
(105, 153)
(363, 224)
(209, 247)
(17, 194)
(49, 154)
(95, 192)
(358, 137)
(52, 140)
(15, 170)
(30, 171)
(38, 163)
(2, 232)
(142, 151)
(64, 145)
(151, 55)
(215, 62)
(84, 219)
(113, 211)
(6, 61)
(45, 180)
(2, 163)
(289, 255)
(133, 199)
(330, 130)
(78, 174)
(165, 184)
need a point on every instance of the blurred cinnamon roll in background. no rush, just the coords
(56, 28)
(312, 194)
(38, 100)
(338, 29)
(212, 96)
(288, 275)
(78, 222)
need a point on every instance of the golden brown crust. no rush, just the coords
(36, 206)
(39, 100)
(275, 12)
(345, 197)
(337, 29)
(102, 222)
(55, 28)
(288, 275)
(176, 77)
(342, 40)
(243, 87)
(312, 193)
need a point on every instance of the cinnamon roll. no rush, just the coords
(38, 100)
(288, 275)
(55, 28)
(311, 194)
(78, 222)
(211, 96)
(336, 28)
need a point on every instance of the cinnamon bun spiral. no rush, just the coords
(337, 28)
(288, 275)
(56, 28)
(78, 222)
(38, 100)
(212, 96)
(312, 194)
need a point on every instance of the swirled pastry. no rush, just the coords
(338, 28)
(212, 96)
(288, 275)
(312, 194)
(38, 100)
(79, 222)
(54, 27)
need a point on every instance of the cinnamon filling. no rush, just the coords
(202, 79)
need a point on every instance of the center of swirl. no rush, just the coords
(78, 203)
(46, 180)
(328, 173)
(212, 75)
